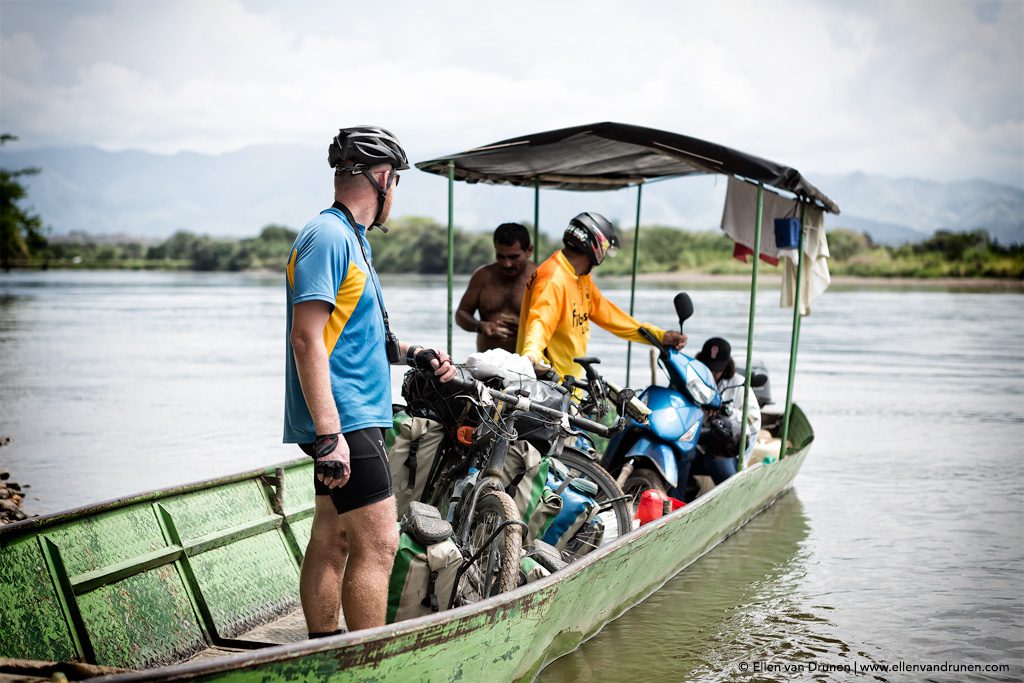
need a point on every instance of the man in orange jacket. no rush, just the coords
(561, 301)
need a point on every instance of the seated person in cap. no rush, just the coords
(725, 429)
(496, 290)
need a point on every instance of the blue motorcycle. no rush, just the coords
(659, 454)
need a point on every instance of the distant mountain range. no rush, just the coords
(150, 195)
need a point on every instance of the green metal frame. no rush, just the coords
(632, 284)
(794, 337)
(750, 326)
(451, 247)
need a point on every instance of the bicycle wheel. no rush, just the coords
(581, 465)
(497, 568)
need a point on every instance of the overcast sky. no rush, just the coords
(927, 89)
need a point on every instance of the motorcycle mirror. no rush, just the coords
(758, 379)
(684, 307)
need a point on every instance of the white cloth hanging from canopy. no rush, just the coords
(815, 278)
(738, 223)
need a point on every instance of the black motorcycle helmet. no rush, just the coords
(355, 150)
(592, 234)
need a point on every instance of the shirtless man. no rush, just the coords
(496, 290)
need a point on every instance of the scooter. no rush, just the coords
(658, 454)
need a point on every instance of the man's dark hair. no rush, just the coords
(508, 234)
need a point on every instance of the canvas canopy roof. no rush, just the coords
(606, 156)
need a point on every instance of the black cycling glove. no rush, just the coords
(329, 469)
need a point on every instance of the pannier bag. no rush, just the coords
(426, 565)
(543, 514)
(398, 416)
(525, 478)
(545, 555)
(578, 504)
(411, 458)
(530, 570)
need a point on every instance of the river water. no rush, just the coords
(901, 544)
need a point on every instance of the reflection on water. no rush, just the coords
(903, 540)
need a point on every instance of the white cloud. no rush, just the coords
(933, 89)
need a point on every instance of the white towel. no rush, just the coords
(816, 277)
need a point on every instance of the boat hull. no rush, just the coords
(514, 635)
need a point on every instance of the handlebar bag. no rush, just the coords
(532, 427)
(426, 565)
(411, 457)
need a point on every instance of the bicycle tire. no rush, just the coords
(607, 489)
(505, 549)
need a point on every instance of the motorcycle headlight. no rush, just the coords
(691, 433)
(698, 388)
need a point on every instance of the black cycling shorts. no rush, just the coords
(370, 481)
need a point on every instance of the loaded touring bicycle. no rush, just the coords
(201, 581)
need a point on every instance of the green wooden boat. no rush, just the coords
(201, 582)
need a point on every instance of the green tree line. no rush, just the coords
(420, 245)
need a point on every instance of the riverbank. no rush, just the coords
(11, 495)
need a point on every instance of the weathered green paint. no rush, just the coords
(83, 583)
(142, 621)
(32, 621)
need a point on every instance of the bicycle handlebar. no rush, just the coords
(523, 403)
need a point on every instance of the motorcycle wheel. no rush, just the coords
(497, 568)
(641, 480)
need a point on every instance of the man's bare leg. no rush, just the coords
(372, 543)
(323, 568)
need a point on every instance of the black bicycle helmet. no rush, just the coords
(359, 147)
(592, 234)
(355, 150)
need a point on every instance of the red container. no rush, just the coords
(651, 506)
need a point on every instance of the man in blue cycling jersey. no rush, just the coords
(338, 385)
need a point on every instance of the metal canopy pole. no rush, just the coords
(794, 339)
(536, 223)
(750, 327)
(632, 284)
(451, 246)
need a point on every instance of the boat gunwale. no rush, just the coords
(14, 530)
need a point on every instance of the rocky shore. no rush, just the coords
(11, 494)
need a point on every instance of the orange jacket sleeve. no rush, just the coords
(612, 318)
